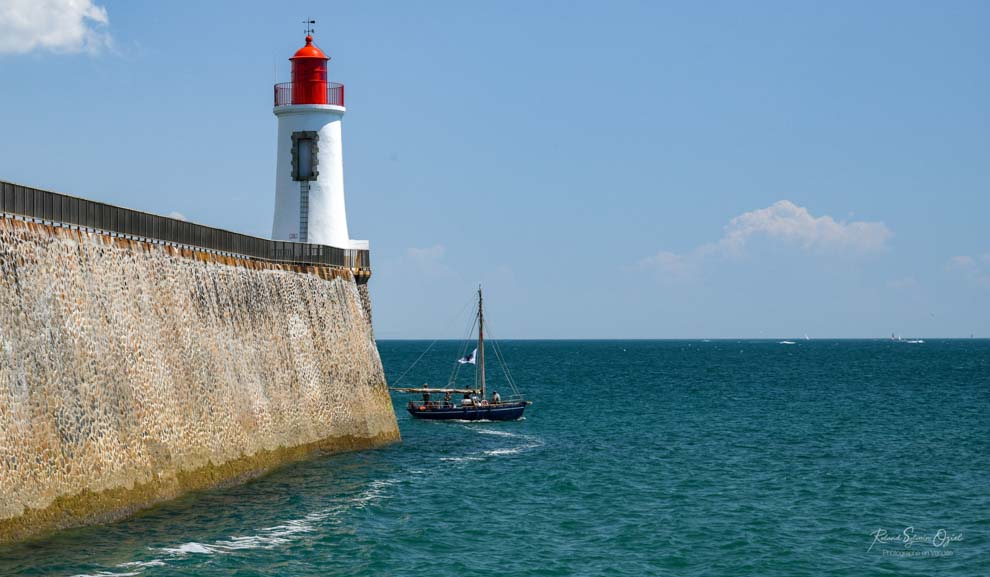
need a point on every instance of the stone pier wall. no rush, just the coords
(365, 300)
(131, 373)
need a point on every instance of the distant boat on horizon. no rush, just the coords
(897, 338)
(787, 343)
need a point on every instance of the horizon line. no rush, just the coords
(795, 339)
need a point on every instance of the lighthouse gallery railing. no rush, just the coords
(287, 93)
(62, 209)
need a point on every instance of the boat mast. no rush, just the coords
(481, 344)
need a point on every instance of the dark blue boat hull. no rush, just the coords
(500, 412)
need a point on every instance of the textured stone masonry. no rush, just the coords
(131, 373)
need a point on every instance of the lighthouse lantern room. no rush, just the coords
(309, 177)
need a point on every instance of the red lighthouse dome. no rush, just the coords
(309, 78)
(309, 51)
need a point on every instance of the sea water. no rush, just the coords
(636, 458)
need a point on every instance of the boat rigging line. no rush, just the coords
(456, 369)
(423, 354)
(501, 360)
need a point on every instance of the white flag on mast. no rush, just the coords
(468, 359)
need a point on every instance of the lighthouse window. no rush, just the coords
(305, 158)
(304, 147)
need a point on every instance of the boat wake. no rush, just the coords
(500, 452)
(529, 442)
(497, 432)
(265, 538)
(464, 459)
(294, 529)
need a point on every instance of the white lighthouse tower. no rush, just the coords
(309, 177)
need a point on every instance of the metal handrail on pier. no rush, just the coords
(63, 210)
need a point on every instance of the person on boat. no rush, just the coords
(496, 398)
(446, 400)
(467, 401)
(426, 400)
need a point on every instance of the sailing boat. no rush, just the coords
(474, 406)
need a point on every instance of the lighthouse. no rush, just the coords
(309, 177)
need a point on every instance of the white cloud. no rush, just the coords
(177, 215)
(961, 262)
(908, 282)
(974, 268)
(783, 222)
(429, 261)
(793, 224)
(433, 253)
(56, 25)
(671, 266)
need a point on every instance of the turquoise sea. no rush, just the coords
(637, 458)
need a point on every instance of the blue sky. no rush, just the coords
(607, 170)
